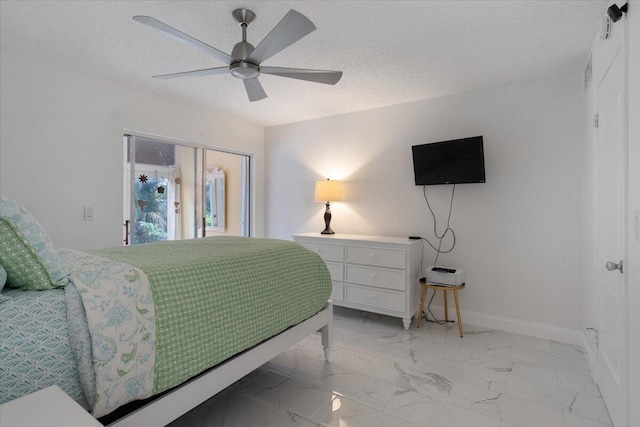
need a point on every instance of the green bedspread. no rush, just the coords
(217, 296)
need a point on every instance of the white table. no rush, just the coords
(50, 407)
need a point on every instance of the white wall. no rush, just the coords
(61, 145)
(519, 234)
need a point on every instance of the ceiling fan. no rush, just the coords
(244, 61)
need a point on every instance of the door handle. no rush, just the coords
(126, 233)
(613, 266)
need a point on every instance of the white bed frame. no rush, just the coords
(184, 398)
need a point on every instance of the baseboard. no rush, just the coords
(523, 327)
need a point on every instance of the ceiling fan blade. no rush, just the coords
(289, 30)
(194, 73)
(186, 39)
(254, 89)
(318, 76)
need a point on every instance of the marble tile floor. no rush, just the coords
(382, 376)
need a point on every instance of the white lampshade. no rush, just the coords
(328, 191)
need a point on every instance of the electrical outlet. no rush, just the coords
(89, 213)
(636, 224)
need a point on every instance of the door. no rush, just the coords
(162, 191)
(612, 343)
(176, 191)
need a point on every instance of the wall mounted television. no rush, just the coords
(459, 161)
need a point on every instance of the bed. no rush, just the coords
(168, 324)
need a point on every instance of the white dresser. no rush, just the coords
(372, 273)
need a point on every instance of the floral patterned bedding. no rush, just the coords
(120, 319)
(94, 339)
(120, 334)
(35, 352)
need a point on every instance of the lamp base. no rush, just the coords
(327, 222)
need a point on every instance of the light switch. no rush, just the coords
(88, 213)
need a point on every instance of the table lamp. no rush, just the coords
(328, 191)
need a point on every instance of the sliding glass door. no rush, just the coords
(176, 191)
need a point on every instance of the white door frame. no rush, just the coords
(632, 37)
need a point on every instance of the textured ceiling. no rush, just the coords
(390, 51)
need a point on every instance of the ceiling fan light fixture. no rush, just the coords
(245, 59)
(244, 70)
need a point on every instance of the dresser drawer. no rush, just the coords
(337, 291)
(392, 279)
(375, 297)
(328, 252)
(336, 271)
(381, 257)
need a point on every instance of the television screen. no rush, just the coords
(459, 161)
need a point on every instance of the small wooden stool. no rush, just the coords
(425, 285)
